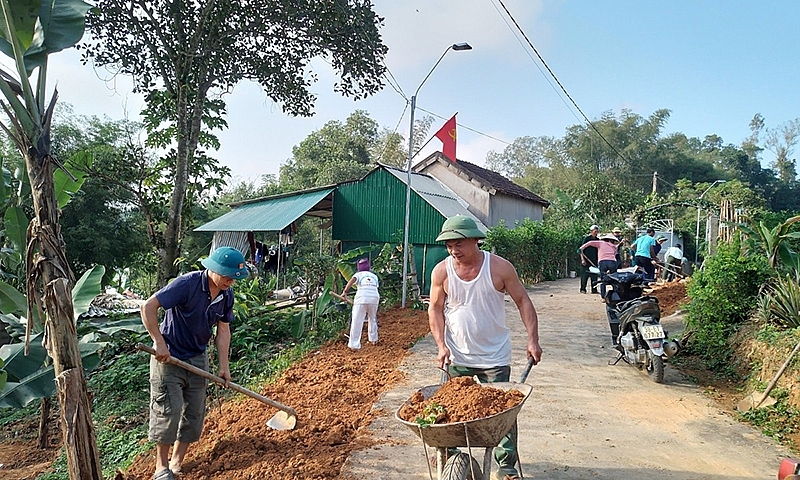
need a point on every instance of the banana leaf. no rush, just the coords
(86, 289)
(16, 224)
(11, 300)
(19, 365)
(41, 383)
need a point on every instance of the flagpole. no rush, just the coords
(456, 47)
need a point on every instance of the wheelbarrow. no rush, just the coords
(484, 433)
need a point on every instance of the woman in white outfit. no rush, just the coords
(365, 304)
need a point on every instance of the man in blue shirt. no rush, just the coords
(193, 304)
(645, 254)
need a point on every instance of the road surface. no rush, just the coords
(585, 418)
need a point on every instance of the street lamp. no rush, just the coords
(697, 229)
(457, 47)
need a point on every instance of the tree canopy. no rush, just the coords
(184, 55)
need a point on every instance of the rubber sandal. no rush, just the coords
(165, 474)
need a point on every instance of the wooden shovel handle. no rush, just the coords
(220, 380)
(341, 297)
(778, 375)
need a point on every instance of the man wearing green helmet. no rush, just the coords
(193, 304)
(467, 317)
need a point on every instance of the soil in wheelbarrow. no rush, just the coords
(461, 399)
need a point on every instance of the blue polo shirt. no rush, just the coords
(643, 245)
(191, 314)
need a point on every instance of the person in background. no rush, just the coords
(467, 317)
(673, 261)
(645, 255)
(622, 256)
(193, 305)
(365, 304)
(607, 250)
(589, 259)
(657, 249)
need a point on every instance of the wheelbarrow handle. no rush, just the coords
(220, 380)
(531, 363)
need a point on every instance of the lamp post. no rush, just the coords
(457, 47)
(697, 229)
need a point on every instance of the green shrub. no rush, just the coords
(538, 251)
(723, 296)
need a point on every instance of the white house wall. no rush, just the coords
(513, 209)
(489, 209)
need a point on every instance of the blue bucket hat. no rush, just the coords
(228, 262)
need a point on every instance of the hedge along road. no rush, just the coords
(585, 419)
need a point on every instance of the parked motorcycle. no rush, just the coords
(635, 322)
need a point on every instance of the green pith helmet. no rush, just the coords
(228, 262)
(458, 227)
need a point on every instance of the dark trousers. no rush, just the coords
(606, 266)
(585, 274)
(647, 265)
(505, 454)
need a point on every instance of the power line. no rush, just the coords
(527, 52)
(465, 127)
(389, 137)
(574, 103)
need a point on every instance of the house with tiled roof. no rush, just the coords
(491, 197)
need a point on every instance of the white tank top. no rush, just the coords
(475, 320)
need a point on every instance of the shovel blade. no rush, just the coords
(282, 421)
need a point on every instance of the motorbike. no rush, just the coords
(635, 322)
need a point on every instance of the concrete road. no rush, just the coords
(585, 418)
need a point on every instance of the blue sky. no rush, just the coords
(714, 64)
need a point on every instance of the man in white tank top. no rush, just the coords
(467, 317)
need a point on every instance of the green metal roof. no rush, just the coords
(270, 214)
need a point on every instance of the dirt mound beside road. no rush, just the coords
(332, 390)
(671, 297)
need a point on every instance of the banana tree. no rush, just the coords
(31, 30)
(773, 242)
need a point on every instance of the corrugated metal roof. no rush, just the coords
(444, 200)
(267, 215)
(488, 178)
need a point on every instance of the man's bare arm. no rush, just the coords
(436, 312)
(149, 313)
(223, 343)
(527, 312)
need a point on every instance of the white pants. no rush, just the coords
(362, 312)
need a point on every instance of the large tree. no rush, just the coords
(335, 153)
(183, 55)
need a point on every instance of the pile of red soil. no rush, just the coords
(671, 297)
(462, 400)
(332, 390)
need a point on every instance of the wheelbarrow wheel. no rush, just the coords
(458, 468)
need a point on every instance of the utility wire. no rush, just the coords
(536, 64)
(389, 137)
(465, 127)
(589, 122)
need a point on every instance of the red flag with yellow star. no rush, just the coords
(447, 134)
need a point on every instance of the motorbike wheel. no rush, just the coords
(656, 368)
(458, 468)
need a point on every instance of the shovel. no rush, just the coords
(285, 419)
(755, 399)
(341, 297)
